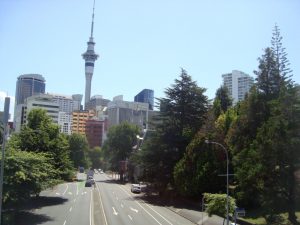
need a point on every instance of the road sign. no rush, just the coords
(240, 212)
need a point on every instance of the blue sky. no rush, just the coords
(141, 43)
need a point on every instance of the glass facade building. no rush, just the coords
(146, 96)
(28, 85)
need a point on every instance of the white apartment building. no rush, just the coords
(65, 122)
(66, 103)
(238, 84)
(41, 101)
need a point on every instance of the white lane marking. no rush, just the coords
(65, 222)
(117, 198)
(57, 193)
(66, 189)
(141, 206)
(70, 193)
(70, 209)
(77, 188)
(134, 210)
(101, 204)
(122, 205)
(115, 212)
(158, 214)
(130, 217)
(74, 200)
(91, 200)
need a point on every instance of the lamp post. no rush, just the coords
(227, 175)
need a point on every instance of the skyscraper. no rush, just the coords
(238, 84)
(89, 57)
(28, 85)
(146, 96)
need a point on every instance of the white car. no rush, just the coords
(136, 188)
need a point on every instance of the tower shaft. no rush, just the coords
(89, 57)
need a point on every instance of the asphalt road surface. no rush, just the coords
(106, 203)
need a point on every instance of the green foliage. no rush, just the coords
(79, 150)
(222, 101)
(41, 135)
(96, 157)
(216, 204)
(118, 145)
(26, 174)
(182, 113)
(198, 170)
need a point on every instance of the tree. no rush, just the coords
(198, 171)
(78, 150)
(26, 174)
(42, 135)
(182, 113)
(118, 145)
(96, 157)
(222, 101)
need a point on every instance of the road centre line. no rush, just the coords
(65, 222)
(70, 209)
(140, 206)
(158, 214)
(130, 217)
(101, 204)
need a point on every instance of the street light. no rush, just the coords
(227, 175)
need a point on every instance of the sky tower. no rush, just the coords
(89, 57)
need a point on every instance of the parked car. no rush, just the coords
(136, 188)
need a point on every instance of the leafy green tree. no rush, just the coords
(96, 157)
(118, 145)
(198, 171)
(42, 135)
(26, 174)
(79, 150)
(182, 113)
(216, 204)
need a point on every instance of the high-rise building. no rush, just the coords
(65, 122)
(96, 101)
(146, 96)
(66, 103)
(238, 84)
(40, 101)
(133, 112)
(27, 85)
(89, 57)
(79, 119)
(94, 132)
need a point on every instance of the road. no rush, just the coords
(108, 203)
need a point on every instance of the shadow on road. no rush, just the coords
(24, 214)
(42, 201)
(24, 218)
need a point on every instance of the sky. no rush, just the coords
(141, 43)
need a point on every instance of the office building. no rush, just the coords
(89, 57)
(238, 84)
(66, 103)
(27, 85)
(96, 101)
(146, 96)
(94, 132)
(40, 101)
(133, 112)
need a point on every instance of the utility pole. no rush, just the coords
(5, 123)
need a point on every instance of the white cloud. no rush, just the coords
(11, 105)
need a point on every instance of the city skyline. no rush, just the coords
(141, 45)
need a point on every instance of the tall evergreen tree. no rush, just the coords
(222, 101)
(182, 113)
